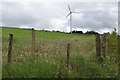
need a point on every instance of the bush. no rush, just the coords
(79, 32)
(91, 32)
(113, 46)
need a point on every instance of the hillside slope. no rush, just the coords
(18, 32)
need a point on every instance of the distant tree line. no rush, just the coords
(88, 32)
(77, 32)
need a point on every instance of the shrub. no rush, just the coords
(113, 46)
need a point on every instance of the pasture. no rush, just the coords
(49, 60)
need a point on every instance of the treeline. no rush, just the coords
(88, 32)
(77, 32)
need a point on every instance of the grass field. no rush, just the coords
(49, 60)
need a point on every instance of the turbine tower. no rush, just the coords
(70, 14)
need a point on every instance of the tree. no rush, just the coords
(91, 32)
(79, 32)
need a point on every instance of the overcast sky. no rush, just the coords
(98, 16)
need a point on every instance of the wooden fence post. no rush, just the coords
(104, 45)
(10, 48)
(68, 54)
(98, 47)
(33, 40)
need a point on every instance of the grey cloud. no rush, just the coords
(97, 17)
(96, 20)
(36, 14)
(16, 15)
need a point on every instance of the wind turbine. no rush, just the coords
(70, 14)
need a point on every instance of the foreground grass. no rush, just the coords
(49, 60)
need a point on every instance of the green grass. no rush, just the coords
(39, 34)
(49, 60)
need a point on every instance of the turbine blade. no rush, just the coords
(69, 8)
(76, 12)
(67, 15)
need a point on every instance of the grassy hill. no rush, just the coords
(39, 34)
(49, 59)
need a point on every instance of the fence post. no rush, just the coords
(10, 48)
(104, 48)
(68, 54)
(98, 47)
(33, 40)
